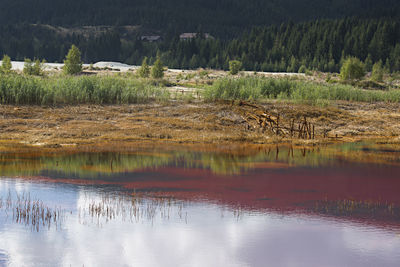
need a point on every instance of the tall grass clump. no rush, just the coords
(246, 88)
(70, 90)
(258, 88)
(314, 93)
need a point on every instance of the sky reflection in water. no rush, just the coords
(342, 211)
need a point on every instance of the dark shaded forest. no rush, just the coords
(223, 18)
(320, 45)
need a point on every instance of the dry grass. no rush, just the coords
(178, 122)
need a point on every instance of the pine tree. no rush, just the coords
(157, 71)
(387, 67)
(33, 68)
(6, 65)
(144, 70)
(368, 63)
(72, 62)
(38, 67)
(28, 66)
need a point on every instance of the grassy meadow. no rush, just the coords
(18, 89)
(258, 88)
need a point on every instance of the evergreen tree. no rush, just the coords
(302, 69)
(72, 62)
(377, 72)
(157, 71)
(38, 67)
(144, 70)
(28, 66)
(6, 65)
(33, 68)
(368, 63)
(387, 67)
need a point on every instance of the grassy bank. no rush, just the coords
(18, 89)
(255, 88)
(29, 90)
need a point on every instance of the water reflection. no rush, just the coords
(271, 207)
(89, 165)
(212, 235)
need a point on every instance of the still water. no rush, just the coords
(275, 206)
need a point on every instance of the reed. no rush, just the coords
(258, 88)
(71, 90)
(135, 207)
(31, 212)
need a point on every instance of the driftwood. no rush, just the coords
(257, 117)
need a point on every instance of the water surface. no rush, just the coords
(274, 206)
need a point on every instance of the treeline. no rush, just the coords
(31, 41)
(320, 45)
(222, 18)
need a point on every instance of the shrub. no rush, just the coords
(302, 69)
(157, 71)
(72, 62)
(377, 72)
(235, 66)
(144, 70)
(33, 68)
(6, 65)
(352, 69)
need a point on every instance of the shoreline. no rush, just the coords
(190, 124)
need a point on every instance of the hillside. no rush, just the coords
(224, 17)
(266, 35)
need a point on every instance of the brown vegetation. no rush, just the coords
(193, 123)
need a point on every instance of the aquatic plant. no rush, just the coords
(134, 207)
(31, 211)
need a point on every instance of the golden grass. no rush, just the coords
(181, 123)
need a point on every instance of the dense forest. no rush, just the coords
(320, 45)
(223, 18)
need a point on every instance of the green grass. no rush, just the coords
(119, 89)
(70, 90)
(256, 88)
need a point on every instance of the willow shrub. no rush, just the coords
(28, 90)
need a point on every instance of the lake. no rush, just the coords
(336, 205)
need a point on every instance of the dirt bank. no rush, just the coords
(190, 123)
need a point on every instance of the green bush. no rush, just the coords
(72, 62)
(302, 69)
(235, 66)
(144, 70)
(33, 68)
(6, 65)
(377, 72)
(157, 71)
(352, 69)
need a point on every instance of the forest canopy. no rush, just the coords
(321, 45)
(223, 18)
